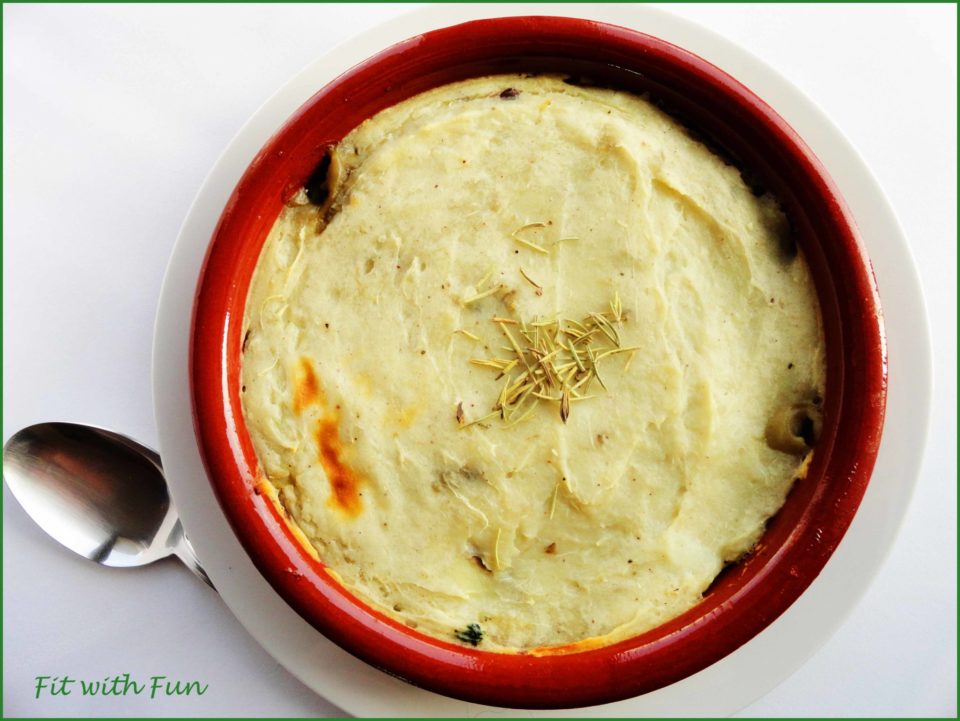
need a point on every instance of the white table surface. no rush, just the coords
(113, 115)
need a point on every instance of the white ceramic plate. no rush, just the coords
(728, 685)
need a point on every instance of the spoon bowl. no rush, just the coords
(99, 493)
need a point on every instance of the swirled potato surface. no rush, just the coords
(534, 201)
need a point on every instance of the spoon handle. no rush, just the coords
(179, 544)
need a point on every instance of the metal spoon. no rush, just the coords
(99, 493)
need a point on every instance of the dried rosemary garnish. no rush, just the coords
(538, 289)
(530, 244)
(552, 361)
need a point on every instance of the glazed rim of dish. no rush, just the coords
(798, 541)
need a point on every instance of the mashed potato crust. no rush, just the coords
(542, 533)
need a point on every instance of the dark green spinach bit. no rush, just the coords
(472, 634)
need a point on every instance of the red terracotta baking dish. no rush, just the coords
(799, 539)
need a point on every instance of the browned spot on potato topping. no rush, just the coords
(306, 390)
(344, 483)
